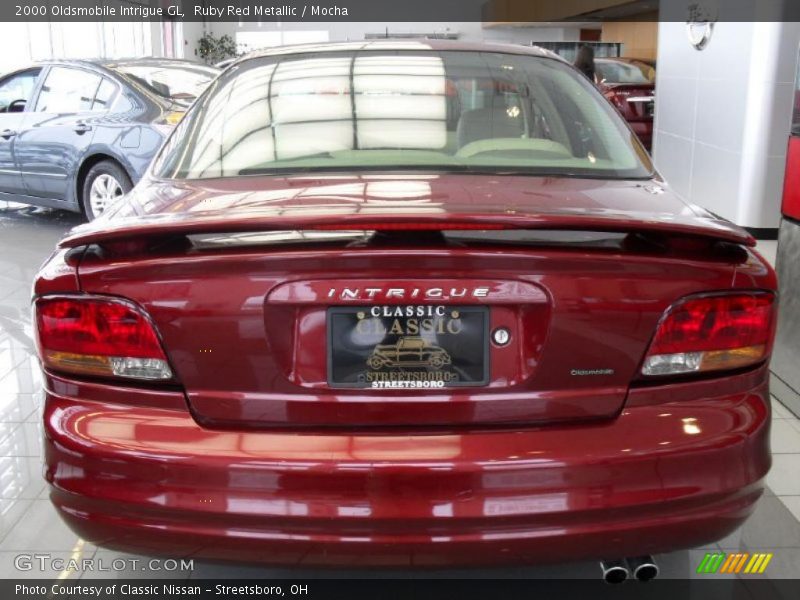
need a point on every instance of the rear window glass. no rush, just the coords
(449, 111)
(613, 71)
(175, 82)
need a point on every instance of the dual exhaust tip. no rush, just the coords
(643, 568)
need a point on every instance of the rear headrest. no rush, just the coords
(487, 123)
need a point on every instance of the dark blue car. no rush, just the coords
(78, 134)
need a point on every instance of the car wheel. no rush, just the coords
(105, 183)
(374, 362)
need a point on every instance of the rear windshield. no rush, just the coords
(446, 111)
(171, 81)
(613, 71)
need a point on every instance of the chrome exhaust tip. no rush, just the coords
(614, 571)
(644, 568)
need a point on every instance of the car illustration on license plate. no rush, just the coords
(409, 352)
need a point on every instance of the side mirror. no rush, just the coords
(17, 106)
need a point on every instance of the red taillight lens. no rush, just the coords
(97, 336)
(713, 332)
(619, 99)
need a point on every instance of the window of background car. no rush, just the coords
(458, 111)
(68, 90)
(18, 87)
(615, 71)
(104, 96)
(170, 81)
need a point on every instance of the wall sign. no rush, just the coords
(700, 34)
(700, 22)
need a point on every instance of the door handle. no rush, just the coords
(7, 134)
(81, 128)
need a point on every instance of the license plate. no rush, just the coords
(408, 347)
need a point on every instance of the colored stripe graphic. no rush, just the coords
(759, 562)
(711, 562)
(763, 566)
(701, 568)
(727, 566)
(754, 563)
(741, 562)
(734, 563)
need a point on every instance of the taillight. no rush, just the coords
(712, 333)
(619, 98)
(100, 337)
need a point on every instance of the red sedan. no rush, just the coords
(589, 375)
(629, 84)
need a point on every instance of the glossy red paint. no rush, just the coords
(598, 309)
(257, 203)
(592, 321)
(656, 478)
(251, 456)
(568, 452)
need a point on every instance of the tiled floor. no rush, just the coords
(29, 524)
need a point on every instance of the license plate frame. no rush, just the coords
(441, 357)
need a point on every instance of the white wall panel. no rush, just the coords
(726, 111)
(355, 31)
(42, 41)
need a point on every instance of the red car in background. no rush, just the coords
(629, 84)
(594, 383)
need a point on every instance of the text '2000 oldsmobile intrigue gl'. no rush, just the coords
(405, 303)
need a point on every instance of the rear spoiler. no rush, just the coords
(184, 224)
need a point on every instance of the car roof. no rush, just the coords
(401, 45)
(122, 61)
(115, 63)
(625, 59)
(153, 62)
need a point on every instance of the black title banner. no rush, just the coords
(497, 11)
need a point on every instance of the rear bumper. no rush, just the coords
(659, 477)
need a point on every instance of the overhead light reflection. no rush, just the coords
(691, 427)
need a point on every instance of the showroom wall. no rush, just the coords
(723, 114)
(639, 39)
(39, 41)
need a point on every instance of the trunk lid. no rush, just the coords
(246, 321)
(636, 101)
(253, 203)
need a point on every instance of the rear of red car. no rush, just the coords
(406, 367)
(629, 84)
